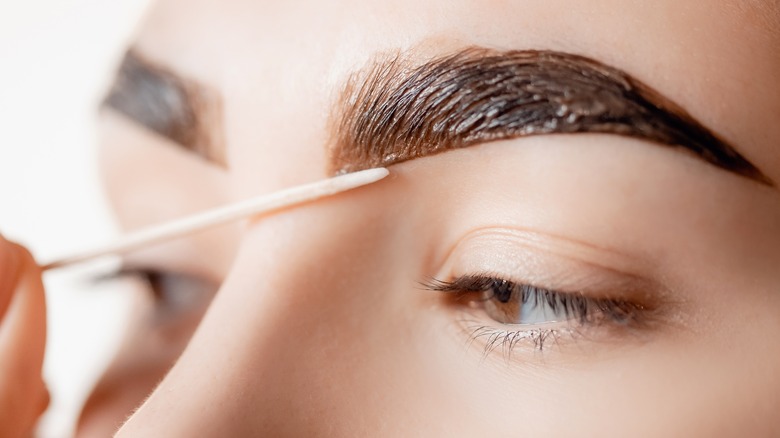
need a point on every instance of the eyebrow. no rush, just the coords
(393, 111)
(177, 108)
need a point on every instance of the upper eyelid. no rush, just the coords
(530, 262)
(599, 257)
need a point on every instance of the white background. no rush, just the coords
(56, 58)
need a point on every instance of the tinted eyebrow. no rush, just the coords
(394, 111)
(170, 105)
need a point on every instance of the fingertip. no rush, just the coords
(15, 258)
(26, 258)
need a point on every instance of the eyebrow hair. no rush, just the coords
(170, 105)
(394, 111)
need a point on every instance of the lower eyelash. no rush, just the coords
(507, 341)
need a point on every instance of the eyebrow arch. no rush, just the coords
(177, 108)
(394, 111)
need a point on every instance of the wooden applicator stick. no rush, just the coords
(251, 207)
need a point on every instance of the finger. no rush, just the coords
(23, 393)
(23, 329)
(9, 273)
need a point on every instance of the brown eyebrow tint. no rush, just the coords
(169, 105)
(395, 112)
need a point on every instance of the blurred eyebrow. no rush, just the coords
(393, 110)
(177, 108)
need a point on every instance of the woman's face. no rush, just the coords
(538, 285)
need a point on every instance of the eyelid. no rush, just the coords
(553, 262)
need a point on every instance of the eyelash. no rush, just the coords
(150, 276)
(588, 312)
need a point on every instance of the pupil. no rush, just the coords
(502, 290)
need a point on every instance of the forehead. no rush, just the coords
(280, 65)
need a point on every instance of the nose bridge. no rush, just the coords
(291, 332)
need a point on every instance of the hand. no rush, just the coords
(23, 394)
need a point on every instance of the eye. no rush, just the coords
(175, 295)
(507, 302)
(527, 315)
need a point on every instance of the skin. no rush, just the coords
(320, 326)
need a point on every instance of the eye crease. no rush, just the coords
(394, 111)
